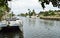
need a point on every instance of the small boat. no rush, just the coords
(13, 21)
(11, 24)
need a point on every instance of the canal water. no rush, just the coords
(36, 28)
(39, 28)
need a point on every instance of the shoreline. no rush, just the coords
(50, 18)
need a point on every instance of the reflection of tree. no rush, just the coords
(48, 24)
(32, 22)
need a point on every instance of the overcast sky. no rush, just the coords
(22, 6)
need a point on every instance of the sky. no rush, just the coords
(22, 6)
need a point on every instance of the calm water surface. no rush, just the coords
(39, 28)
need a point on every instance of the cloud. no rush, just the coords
(21, 6)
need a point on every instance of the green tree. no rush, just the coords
(3, 7)
(33, 12)
(11, 14)
(29, 13)
(55, 3)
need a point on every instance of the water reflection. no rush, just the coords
(38, 28)
(31, 22)
(48, 24)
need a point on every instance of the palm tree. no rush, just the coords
(29, 12)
